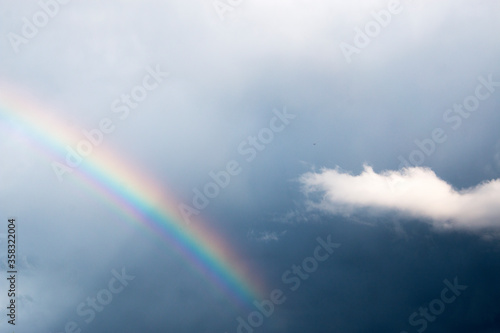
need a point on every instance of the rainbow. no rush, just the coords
(142, 202)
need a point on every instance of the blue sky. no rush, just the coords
(374, 123)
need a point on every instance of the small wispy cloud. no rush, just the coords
(294, 216)
(265, 236)
(415, 192)
(497, 156)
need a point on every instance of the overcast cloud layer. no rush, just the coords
(301, 95)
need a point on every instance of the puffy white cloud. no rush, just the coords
(415, 192)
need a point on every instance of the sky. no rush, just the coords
(250, 166)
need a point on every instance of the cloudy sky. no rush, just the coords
(345, 153)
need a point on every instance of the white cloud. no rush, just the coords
(415, 192)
